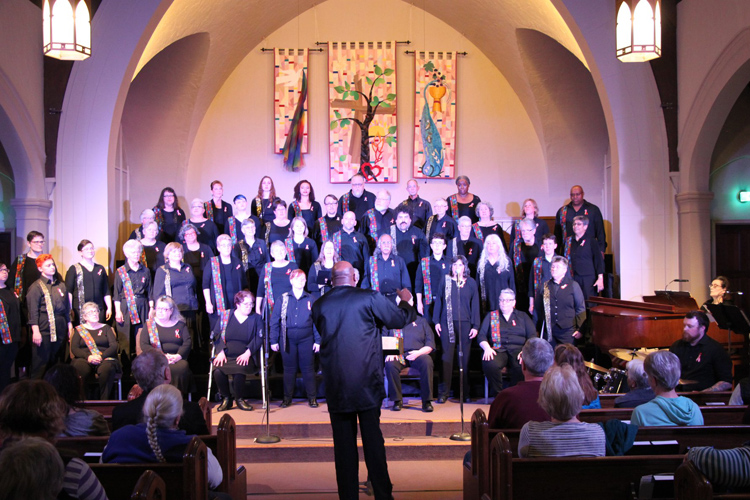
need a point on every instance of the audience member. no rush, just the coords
(78, 421)
(569, 354)
(640, 390)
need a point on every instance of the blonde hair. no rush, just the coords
(171, 247)
(162, 408)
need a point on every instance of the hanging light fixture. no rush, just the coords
(67, 29)
(638, 30)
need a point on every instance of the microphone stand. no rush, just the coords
(463, 435)
(268, 438)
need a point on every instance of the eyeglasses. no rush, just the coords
(715, 286)
(164, 309)
(37, 242)
(331, 203)
(507, 300)
(4, 270)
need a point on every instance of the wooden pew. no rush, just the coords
(223, 445)
(700, 398)
(692, 484)
(105, 407)
(187, 480)
(476, 479)
(612, 478)
(149, 487)
(712, 415)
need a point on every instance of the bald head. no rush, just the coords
(343, 274)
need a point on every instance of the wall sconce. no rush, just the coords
(67, 29)
(638, 30)
(744, 196)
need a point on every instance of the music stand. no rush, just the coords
(731, 318)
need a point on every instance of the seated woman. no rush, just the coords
(667, 408)
(94, 350)
(561, 396)
(176, 279)
(569, 354)
(157, 439)
(719, 291)
(236, 343)
(33, 408)
(168, 333)
(78, 421)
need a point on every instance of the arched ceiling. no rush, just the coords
(236, 27)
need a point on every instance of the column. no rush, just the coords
(32, 214)
(694, 213)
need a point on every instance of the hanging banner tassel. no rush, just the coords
(294, 139)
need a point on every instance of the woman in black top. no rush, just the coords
(99, 359)
(319, 281)
(132, 276)
(463, 202)
(10, 338)
(304, 204)
(87, 282)
(153, 249)
(274, 280)
(262, 204)
(236, 345)
(302, 250)
(252, 252)
(207, 230)
(278, 228)
(168, 333)
(196, 255)
(456, 315)
(226, 271)
(168, 215)
(176, 279)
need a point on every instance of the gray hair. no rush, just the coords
(503, 262)
(464, 219)
(88, 307)
(559, 258)
(132, 245)
(560, 394)
(664, 368)
(186, 228)
(582, 218)
(537, 356)
(488, 205)
(149, 369)
(278, 244)
(527, 224)
(148, 213)
(509, 292)
(162, 408)
(636, 374)
(166, 299)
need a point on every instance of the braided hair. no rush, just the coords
(162, 408)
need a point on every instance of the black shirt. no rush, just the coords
(299, 324)
(104, 338)
(239, 337)
(445, 225)
(706, 362)
(95, 286)
(333, 224)
(174, 339)
(275, 232)
(421, 210)
(12, 311)
(37, 305)
(355, 250)
(233, 280)
(197, 259)
(279, 281)
(171, 224)
(182, 284)
(309, 214)
(416, 335)
(464, 302)
(262, 208)
(220, 215)
(357, 205)
(207, 233)
(253, 259)
(514, 332)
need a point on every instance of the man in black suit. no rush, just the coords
(151, 369)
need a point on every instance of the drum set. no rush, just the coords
(614, 380)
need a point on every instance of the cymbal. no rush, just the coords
(596, 367)
(628, 354)
(687, 382)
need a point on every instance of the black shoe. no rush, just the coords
(397, 406)
(286, 403)
(442, 399)
(427, 407)
(313, 402)
(226, 404)
(242, 404)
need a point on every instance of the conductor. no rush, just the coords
(350, 321)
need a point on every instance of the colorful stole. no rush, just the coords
(345, 203)
(538, 271)
(432, 219)
(495, 329)
(267, 268)
(86, 336)
(372, 225)
(50, 311)
(337, 242)
(232, 222)
(4, 327)
(289, 244)
(158, 217)
(399, 334)
(454, 245)
(142, 258)
(127, 288)
(323, 229)
(79, 287)
(426, 280)
(244, 254)
(153, 334)
(517, 252)
(567, 251)
(268, 234)
(482, 267)
(516, 230)
(167, 280)
(209, 208)
(221, 305)
(453, 203)
(478, 231)
(449, 310)
(394, 250)
(284, 307)
(547, 311)
(563, 222)
(259, 206)
(18, 285)
(318, 266)
(374, 278)
(297, 209)
(138, 234)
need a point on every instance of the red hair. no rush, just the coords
(43, 258)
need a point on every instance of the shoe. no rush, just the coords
(313, 402)
(427, 407)
(442, 399)
(286, 403)
(242, 404)
(226, 404)
(397, 406)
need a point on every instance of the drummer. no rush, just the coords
(702, 359)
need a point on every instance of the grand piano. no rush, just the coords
(657, 322)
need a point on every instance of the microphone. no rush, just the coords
(681, 281)
(675, 281)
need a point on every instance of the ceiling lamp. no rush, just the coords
(638, 30)
(67, 29)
